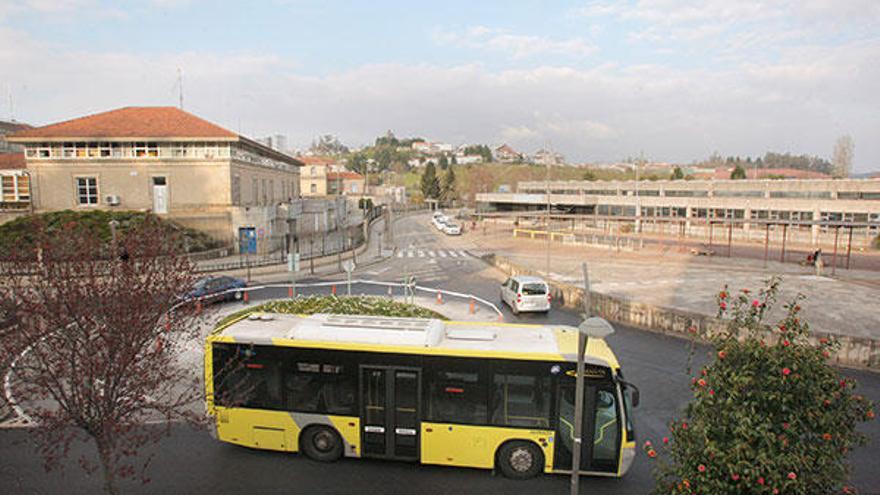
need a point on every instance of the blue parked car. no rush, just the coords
(211, 285)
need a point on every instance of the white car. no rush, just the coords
(440, 221)
(523, 293)
(452, 229)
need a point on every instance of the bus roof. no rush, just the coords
(414, 336)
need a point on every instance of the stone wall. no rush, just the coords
(854, 352)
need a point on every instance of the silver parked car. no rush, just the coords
(524, 293)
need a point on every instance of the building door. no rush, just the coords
(247, 240)
(390, 399)
(160, 195)
(601, 429)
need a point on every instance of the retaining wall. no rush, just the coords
(854, 352)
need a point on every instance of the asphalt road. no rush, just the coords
(190, 461)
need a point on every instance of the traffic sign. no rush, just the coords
(293, 262)
(348, 266)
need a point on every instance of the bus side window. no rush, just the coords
(456, 394)
(247, 376)
(521, 400)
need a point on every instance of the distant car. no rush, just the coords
(524, 293)
(214, 288)
(452, 229)
(440, 221)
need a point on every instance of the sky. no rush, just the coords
(597, 81)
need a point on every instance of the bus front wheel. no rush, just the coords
(520, 460)
(321, 443)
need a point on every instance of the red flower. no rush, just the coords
(665, 440)
(761, 480)
(826, 402)
(826, 436)
(723, 305)
(684, 426)
(722, 355)
(647, 443)
(701, 382)
(734, 476)
(823, 341)
(842, 383)
(792, 476)
(712, 392)
(785, 426)
(722, 295)
(826, 354)
(746, 291)
(701, 468)
(786, 371)
(785, 343)
(869, 414)
(756, 303)
(797, 308)
(652, 453)
(776, 491)
(782, 327)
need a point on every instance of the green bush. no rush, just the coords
(19, 234)
(769, 413)
(359, 305)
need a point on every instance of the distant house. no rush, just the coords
(548, 157)
(429, 148)
(506, 154)
(313, 177)
(345, 183)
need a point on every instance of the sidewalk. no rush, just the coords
(844, 305)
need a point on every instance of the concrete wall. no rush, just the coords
(855, 352)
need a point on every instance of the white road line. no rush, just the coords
(462, 253)
(400, 254)
(421, 254)
(442, 254)
(410, 254)
(431, 253)
(453, 254)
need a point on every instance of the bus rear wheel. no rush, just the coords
(520, 460)
(321, 443)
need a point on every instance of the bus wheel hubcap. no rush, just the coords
(323, 442)
(521, 460)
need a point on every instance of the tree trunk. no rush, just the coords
(108, 466)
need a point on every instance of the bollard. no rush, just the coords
(245, 297)
(390, 294)
(198, 306)
(333, 289)
(500, 318)
(473, 306)
(290, 292)
(439, 298)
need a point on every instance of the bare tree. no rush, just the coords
(94, 334)
(844, 150)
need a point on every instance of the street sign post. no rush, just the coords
(348, 266)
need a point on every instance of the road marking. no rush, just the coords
(462, 253)
(453, 254)
(410, 254)
(421, 254)
(400, 254)
(431, 253)
(442, 254)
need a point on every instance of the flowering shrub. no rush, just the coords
(769, 414)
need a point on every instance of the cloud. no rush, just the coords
(515, 46)
(799, 103)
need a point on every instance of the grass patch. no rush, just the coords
(356, 305)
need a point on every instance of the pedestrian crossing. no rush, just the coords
(420, 253)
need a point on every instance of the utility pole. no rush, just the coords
(547, 182)
(180, 88)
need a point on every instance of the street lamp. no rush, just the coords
(597, 328)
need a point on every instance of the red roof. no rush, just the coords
(316, 160)
(130, 122)
(12, 161)
(344, 175)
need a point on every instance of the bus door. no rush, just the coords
(600, 447)
(390, 399)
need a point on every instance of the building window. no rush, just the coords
(265, 194)
(271, 191)
(146, 149)
(255, 192)
(87, 191)
(314, 171)
(236, 190)
(314, 188)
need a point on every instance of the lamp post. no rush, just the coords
(597, 328)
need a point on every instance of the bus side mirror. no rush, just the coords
(635, 397)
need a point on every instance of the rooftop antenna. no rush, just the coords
(180, 88)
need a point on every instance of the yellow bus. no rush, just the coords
(481, 395)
